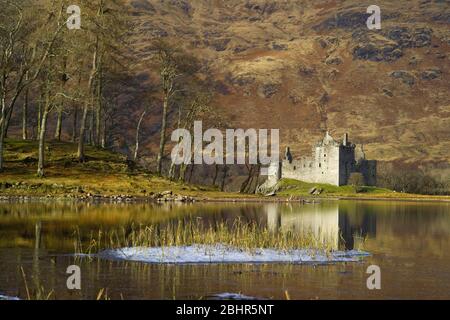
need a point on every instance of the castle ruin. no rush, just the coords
(331, 162)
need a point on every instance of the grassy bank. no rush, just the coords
(295, 188)
(104, 172)
(108, 173)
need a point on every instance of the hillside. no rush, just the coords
(307, 66)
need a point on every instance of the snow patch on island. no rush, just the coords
(8, 298)
(205, 254)
(232, 296)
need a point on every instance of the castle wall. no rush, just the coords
(323, 167)
(331, 162)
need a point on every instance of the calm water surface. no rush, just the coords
(410, 241)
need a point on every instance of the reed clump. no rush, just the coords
(239, 234)
(39, 293)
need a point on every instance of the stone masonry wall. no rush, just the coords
(323, 168)
(331, 162)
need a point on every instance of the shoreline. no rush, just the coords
(129, 199)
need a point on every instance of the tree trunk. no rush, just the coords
(91, 128)
(74, 124)
(191, 172)
(43, 130)
(58, 125)
(246, 182)
(136, 148)
(104, 134)
(172, 171)
(8, 120)
(182, 174)
(2, 143)
(224, 177)
(39, 117)
(40, 171)
(2, 120)
(25, 117)
(3, 115)
(162, 141)
(216, 173)
(80, 155)
(97, 127)
(249, 186)
(98, 118)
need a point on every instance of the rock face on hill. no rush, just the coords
(309, 66)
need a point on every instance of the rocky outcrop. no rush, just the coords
(268, 90)
(333, 60)
(430, 74)
(406, 77)
(306, 70)
(241, 80)
(389, 45)
(344, 20)
(279, 47)
(266, 8)
(375, 47)
(409, 37)
(220, 44)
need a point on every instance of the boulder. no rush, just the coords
(318, 191)
(166, 193)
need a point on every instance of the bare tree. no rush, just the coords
(21, 58)
(88, 103)
(168, 73)
(107, 26)
(138, 129)
(25, 112)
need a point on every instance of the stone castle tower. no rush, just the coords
(331, 162)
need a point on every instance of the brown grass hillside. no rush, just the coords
(295, 65)
(307, 66)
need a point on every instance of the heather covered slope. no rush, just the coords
(307, 66)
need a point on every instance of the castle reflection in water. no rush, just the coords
(340, 226)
